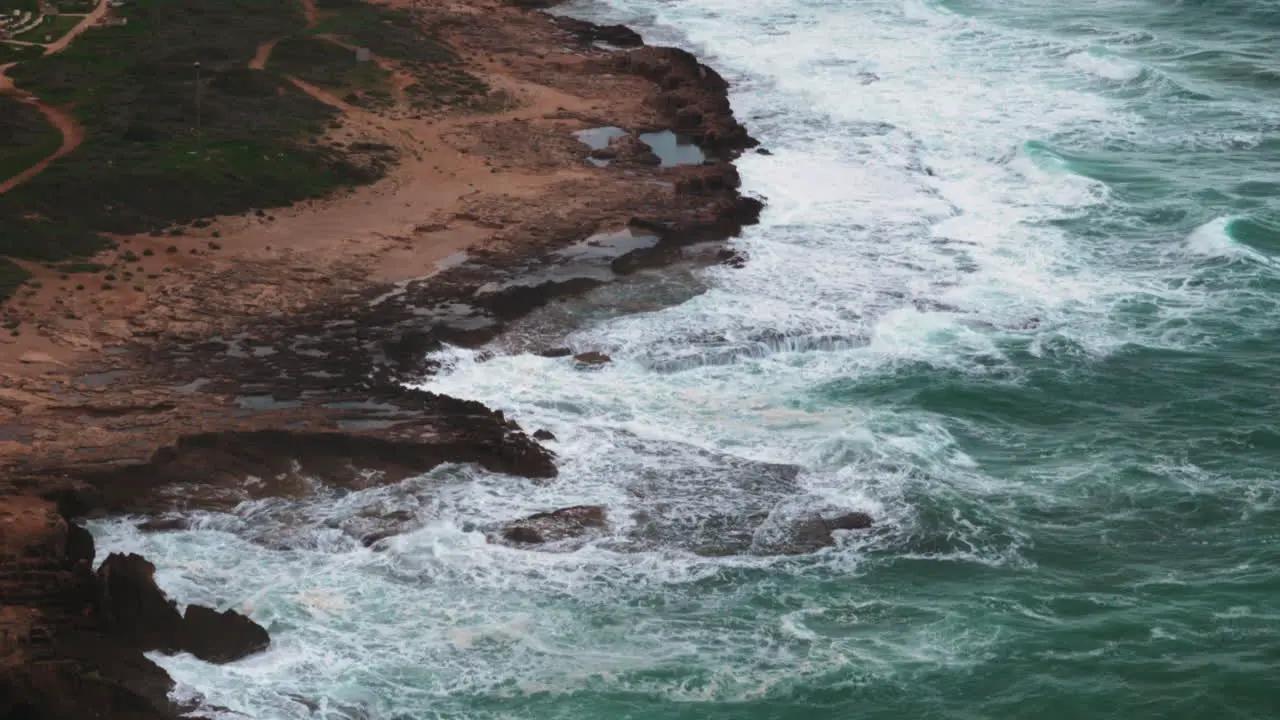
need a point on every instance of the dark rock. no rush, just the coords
(163, 525)
(815, 533)
(560, 524)
(133, 608)
(136, 612)
(689, 89)
(543, 435)
(850, 521)
(80, 548)
(732, 258)
(555, 352)
(221, 637)
(592, 358)
(588, 32)
(463, 432)
(764, 151)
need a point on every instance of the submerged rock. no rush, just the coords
(555, 352)
(814, 533)
(570, 522)
(163, 525)
(543, 435)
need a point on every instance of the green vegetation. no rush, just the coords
(25, 136)
(8, 6)
(395, 34)
(142, 165)
(14, 53)
(53, 27)
(332, 67)
(151, 162)
(11, 278)
(77, 6)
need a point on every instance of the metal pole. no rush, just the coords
(199, 129)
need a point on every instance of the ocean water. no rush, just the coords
(1015, 294)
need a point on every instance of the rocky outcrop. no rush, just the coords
(421, 432)
(592, 357)
(137, 613)
(692, 97)
(588, 32)
(570, 522)
(69, 638)
(221, 637)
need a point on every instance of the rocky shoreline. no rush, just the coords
(292, 392)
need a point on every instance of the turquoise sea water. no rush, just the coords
(1015, 294)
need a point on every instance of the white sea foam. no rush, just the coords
(1213, 240)
(1106, 66)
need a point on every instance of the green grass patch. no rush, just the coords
(399, 35)
(77, 6)
(143, 166)
(8, 6)
(26, 136)
(392, 33)
(12, 276)
(17, 53)
(330, 66)
(53, 28)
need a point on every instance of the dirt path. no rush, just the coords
(263, 54)
(72, 133)
(85, 23)
(309, 7)
(72, 136)
(325, 97)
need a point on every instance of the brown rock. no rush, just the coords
(592, 357)
(38, 358)
(560, 524)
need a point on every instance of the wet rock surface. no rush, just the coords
(571, 522)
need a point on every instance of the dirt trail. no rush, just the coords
(325, 97)
(85, 23)
(72, 136)
(263, 54)
(72, 133)
(309, 7)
